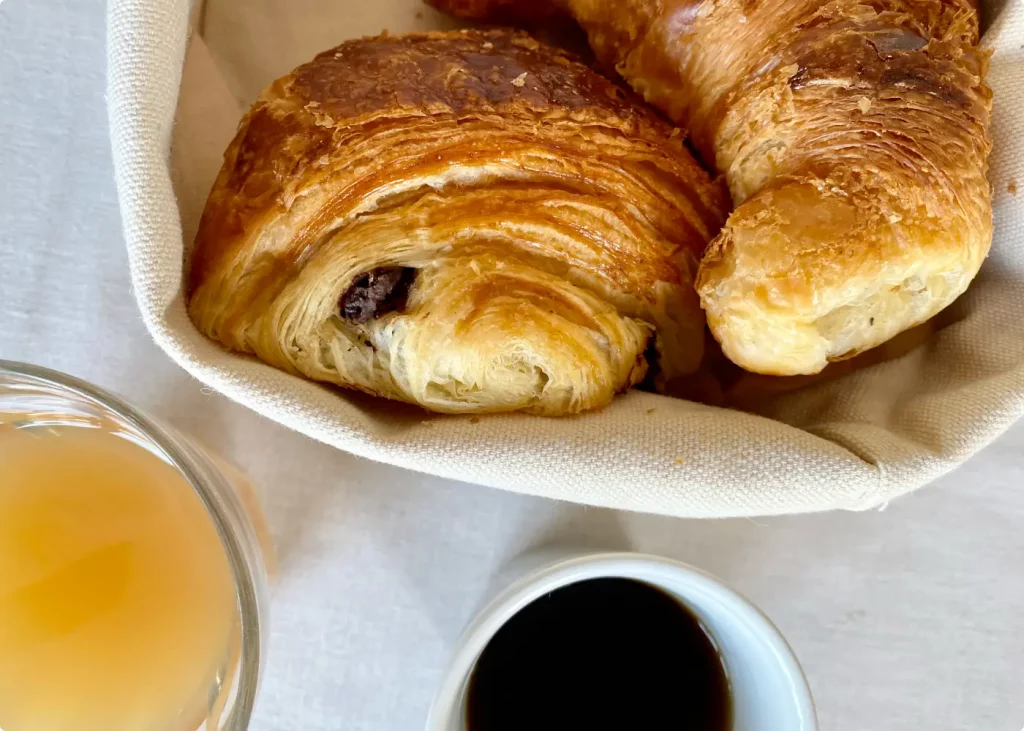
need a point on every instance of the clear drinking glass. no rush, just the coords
(37, 398)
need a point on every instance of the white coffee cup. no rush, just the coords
(767, 687)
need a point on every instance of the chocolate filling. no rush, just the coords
(375, 293)
(653, 358)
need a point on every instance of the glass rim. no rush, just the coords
(222, 504)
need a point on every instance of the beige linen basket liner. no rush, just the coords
(180, 77)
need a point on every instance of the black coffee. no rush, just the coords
(601, 654)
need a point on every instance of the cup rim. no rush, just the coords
(564, 571)
(222, 505)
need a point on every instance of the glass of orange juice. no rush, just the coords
(133, 568)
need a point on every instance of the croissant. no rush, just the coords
(854, 136)
(469, 221)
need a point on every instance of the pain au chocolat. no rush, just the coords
(470, 221)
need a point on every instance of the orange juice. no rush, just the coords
(117, 605)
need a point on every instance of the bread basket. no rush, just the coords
(179, 77)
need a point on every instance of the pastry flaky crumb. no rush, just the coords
(520, 80)
(864, 104)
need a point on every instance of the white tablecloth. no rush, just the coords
(909, 618)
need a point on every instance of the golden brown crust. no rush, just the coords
(573, 216)
(854, 137)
